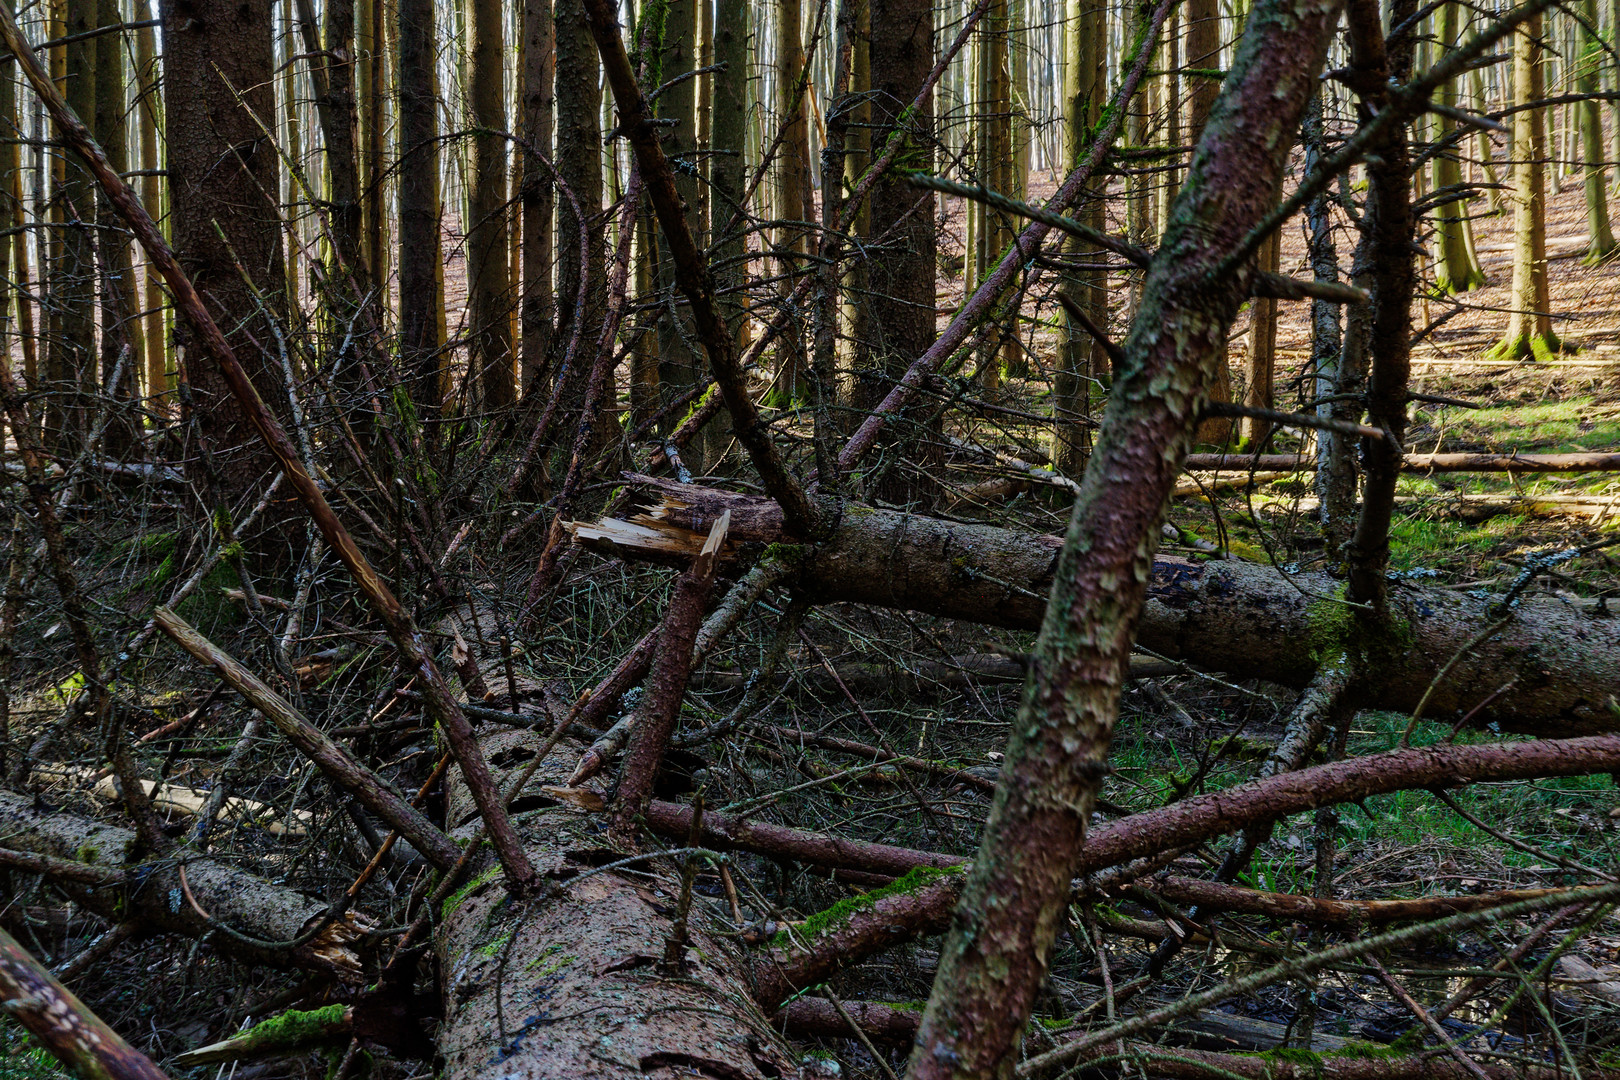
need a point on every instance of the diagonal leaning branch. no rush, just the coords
(332, 759)
(414, 653)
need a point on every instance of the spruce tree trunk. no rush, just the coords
(728, 168)
(679, 366)
(223, 175)
(1456, 267)
(122, 345)
(999, 352)
(1203, 84)
(793, 187)
(73, 375)
(539, 199)
(1600, 244)
(1529, 333)
(1262, 349)
(488, 282)
(421, 268)
(1081, 358)
(853, 353)
(902, 270)
(579, 160)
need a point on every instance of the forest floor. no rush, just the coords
(1176, 735)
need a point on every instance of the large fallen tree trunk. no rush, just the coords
(572, 983)
(1236, 617)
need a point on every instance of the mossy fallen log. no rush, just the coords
(1236, 617)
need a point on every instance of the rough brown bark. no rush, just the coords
(567, 984)
(1233, 616)
(78, 1037)
(489, 280)
(666, 685)
(421, 272)
(222, 169)
(900, 310)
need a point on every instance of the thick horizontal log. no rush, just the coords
(1509, 463)
(148, 892)
(1232, 616)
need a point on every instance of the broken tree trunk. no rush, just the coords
(170, 895)
(1236, 617)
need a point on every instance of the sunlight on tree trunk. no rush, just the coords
(1530, 332)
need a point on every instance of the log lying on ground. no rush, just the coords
(570, 984)
(1231, 616)
(154, 894)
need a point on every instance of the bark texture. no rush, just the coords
(223, 169)
(566, 984)
(1238, 617)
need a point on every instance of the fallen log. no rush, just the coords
(1231, 616)
(569, 983)
(156, 895)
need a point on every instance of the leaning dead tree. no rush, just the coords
(565, 897)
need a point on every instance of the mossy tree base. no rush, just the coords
(1537, 347)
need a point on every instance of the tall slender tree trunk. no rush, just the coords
(74, 376)
(793, 185)
(122, 344)
(21, 261)
(334, 82)
(995, 165)
(1262, 349)
(11, 194)
(1601, 243)
(678, 365)
(539, 200)
(223, 178)
(370, 69)
(579, 159)
(1456, 267)
(1081, 359)
(902, 272)
(728, 167)
(1530, 332)
(1203, 84)
(858, 155)
(55, 381)
(488, 282)
(421, 267)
